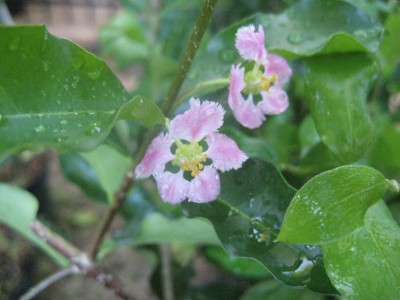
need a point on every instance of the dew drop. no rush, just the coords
(45, 66)
(95, 73)
(78, 62)
(295, 38)
(93, 129)
(15, 43)
(3, 120)
(40, 128)
(63, 122)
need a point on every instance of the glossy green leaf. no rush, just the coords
(54, 93)
(110, 167)
(337, 87)
(144, 110)
(313, 27)
(308, 28)
(239, 266)
(247, 217)
(18, 209)
(365, 264)
(332, 205)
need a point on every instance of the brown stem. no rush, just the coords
(84, 265)
(119, 198)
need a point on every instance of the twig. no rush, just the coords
(166, 272)
(79, 260)
(119, 199)
(41, 286)
(185, 64)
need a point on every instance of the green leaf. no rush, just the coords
(247, 217)
(156, 229)
(337, 87)
(144, 110)
(18, 209)
(365, 264)
(110, 167)
(332, 205)
(77, 170)
(70, 99)
(313, 27)
(239, 266)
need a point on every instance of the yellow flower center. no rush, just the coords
(189, 157)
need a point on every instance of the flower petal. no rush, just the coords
(279, 66)
(173, 188)
(250, 44)
(274, 102)
(224, 152)
(157, 155)
(201, 119)
(205, 187)
(244, 111)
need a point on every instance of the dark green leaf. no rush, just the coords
(365, 264)
(388, 53)
(78, 171)
(18, 209)
(247, 217)
(332, 205)
(337, 88)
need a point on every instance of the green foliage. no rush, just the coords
(18, 209)
(247, 217)
(364, 264)
(344, 194)
(336, 89)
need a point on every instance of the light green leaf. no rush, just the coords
(337, 87)
(332, 205)
(365, 264)
(18, 209)
(110, 167)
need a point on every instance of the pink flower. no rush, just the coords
(262, 81)
(194, 146)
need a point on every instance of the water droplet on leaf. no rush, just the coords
(40, 128)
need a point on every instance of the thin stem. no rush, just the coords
(119, 199)
(79, 260)
(166, 272)
(41, 286)
(186, 61)
(188, 55)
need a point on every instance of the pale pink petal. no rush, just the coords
(173, 188)
(157, 155)
(236, 85)
(201, 119)
(274, 102)
(245, 112)
(250, 44)
(279, 66)
(224, 152)
(205, 187)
